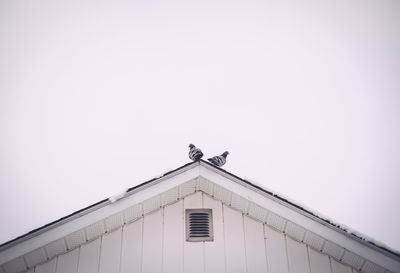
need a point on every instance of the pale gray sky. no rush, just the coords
(98, 96)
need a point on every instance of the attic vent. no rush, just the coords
(199, 225)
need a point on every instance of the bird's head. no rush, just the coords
(225, 154)
(191, 146)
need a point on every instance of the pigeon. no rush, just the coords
(219, 160)
(195, 153)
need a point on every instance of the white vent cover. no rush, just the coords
(199, 226)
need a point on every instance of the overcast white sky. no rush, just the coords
(98, 96)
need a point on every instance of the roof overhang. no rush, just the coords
(302, 225)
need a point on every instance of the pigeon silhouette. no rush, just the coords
(195, 153)
(219, 160)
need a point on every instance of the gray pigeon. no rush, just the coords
(195, 153)
(219, 160)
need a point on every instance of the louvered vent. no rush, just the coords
(199, 225)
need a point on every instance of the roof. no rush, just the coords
(210, 175)
(82, 211)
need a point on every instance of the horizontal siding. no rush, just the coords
(156, 242)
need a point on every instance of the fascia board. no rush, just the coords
(298, 217)
(133, 197)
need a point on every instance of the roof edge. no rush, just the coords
(188, 166)
(95, 206)
(310, 214)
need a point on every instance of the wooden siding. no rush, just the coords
(156, 243)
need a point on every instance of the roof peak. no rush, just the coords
(221, 184)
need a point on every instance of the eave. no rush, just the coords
(252, 200)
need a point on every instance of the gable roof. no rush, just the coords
(285, 216)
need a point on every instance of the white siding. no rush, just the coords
(319, 262)
(255, 246)
(89, 257)
(234, 241)
(156, 243)
(214, 252)
(339, 268)
(276, 251)
(193, 251)
(297, 256)
(49, 267)
(68, 262)
(173, 239)
(131, 256)
(111, 252)
(152, 242)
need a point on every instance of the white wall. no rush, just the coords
(156, 243)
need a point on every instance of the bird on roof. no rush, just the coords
(195, 153)
(219, 160)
